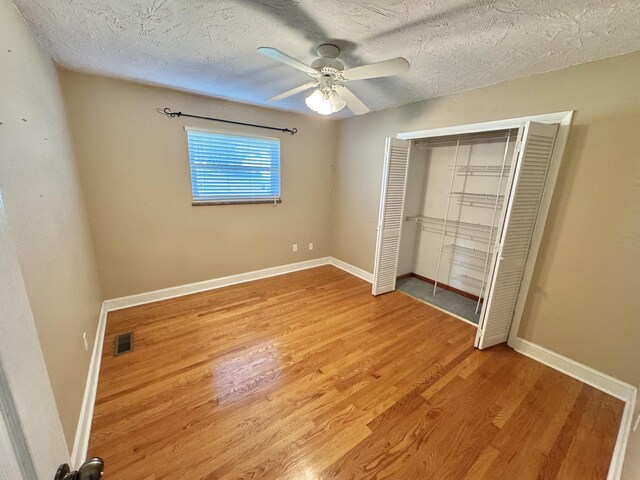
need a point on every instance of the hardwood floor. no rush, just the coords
(308, 376)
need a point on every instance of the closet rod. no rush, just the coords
(167, 111)
(464, 139)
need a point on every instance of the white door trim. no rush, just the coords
(29, 417)
(83, 430)
(543, 213)
(556, 117)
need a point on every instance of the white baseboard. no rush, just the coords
(619, 451)
(588, 375)
(581, 372)
(83, 430)
(172, 292)
(187, 289)
(347, 267)
(81, 441)
(606, 383)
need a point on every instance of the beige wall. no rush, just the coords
(135, 173)
(584, 301)
(45, 213)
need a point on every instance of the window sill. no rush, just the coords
(233, 202)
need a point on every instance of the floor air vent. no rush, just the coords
(124, 343)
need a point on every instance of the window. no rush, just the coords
(232, 169)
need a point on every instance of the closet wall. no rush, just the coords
(431, 179)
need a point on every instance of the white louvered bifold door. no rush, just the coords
(394, 181)
(525, 193)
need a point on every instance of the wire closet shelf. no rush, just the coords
(478, 199)
(471, 231)
(481, 170)
(468, 258)
(459, 255)
(470, 282)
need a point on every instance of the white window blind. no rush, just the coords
(233, 169)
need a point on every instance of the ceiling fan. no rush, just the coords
(329, 79)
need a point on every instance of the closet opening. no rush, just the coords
(454, 197)
(462, 213)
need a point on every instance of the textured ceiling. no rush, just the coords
(209, 46)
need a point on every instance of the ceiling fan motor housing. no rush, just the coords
(328, 54)
(326, 81)
(327, 62)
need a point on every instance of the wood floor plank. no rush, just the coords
(307, 375)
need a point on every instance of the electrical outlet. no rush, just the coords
(84, 339)
(295, 247)
(311, 246)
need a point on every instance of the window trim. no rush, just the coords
(247, 201)
(205, 203)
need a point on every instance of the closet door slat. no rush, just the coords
(516, 233)
(394, 182)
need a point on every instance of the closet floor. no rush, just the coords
(444, 299)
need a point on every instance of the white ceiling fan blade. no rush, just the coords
(353, 103)
(293, 91)
(376, 70)
(286, 59)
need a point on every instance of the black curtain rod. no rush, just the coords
(167, 111)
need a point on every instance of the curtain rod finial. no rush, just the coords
(167, 111)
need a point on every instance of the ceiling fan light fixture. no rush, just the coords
(325, 103)
(330, 77)
(337, 102)
(316, 101)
